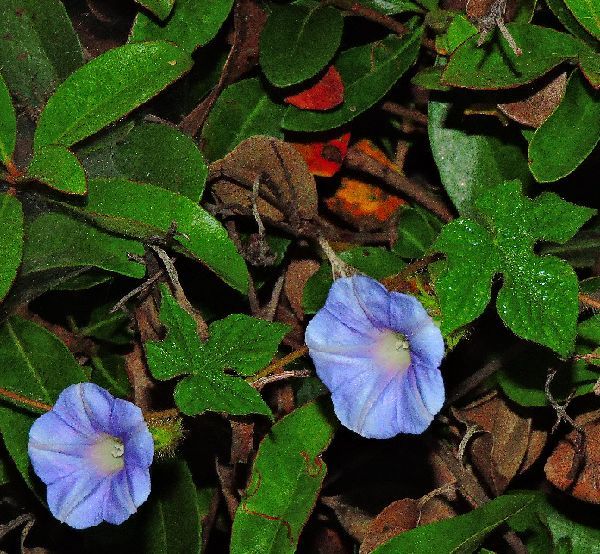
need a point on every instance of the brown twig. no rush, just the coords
(403, 111)
(278, 364)
(372, 15)
(30, 402)
(589, 302)
(273, 378)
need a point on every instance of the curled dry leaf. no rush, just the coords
(324, 158)
(476, 9)
(325, 94)
(296, 277)
(540, 101)
(508, 445)
(287, 191)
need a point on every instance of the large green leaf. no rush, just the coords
(461, 534)
(539, 296)
(565, 16)
(286, 479)
(587, 13)
(243, 110)
(569, 135)
(495, 66)
(207, 388)
(11, 245)
(298, 41)
(191, 23)
(8, 124)
(59, 168)
(38, 48)
(470, 156)
(107, 88)
(160, 8)
(35, 364)
(143, 211)
(368, 72)
(163, 156)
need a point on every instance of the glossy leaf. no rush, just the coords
(160, 8)
(495, 66)
(416, 231)
(8, 124)
(286, 479)
(569, 135)
(587, 13)
(207, 387)
(243, 110)
(298, 41)
(11, 245)
(36, 364)
(162, 156)
(107, 88)
(191, 24)
(538, 299)
(368, 73)
(59, 168)
(38, 48)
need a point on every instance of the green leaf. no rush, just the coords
(587, 13)
(393, 7)
(368, 73)
(109, 372)
(589, 63)
(569, 134)
(107, 326)
(190, 25)
(373, 261)
(243, 110)
(143, 211)
(471, 155)
(461, 534)
(589, 329)
(107, 88)
(298, 41)
(8, 124)
(538, 299)
(162, 156)
(38, 48)
(56, 240)
(160, 8)
(286, 479)
(11, 245)
(58, 168)
(564, 15)
(35, 364)
(416, 231)
(581, 251)
(495, 66)
(208, 388)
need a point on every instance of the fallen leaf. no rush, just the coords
(324, 158)
(325, 94)
(296, 277)
(353, 519)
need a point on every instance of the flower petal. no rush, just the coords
(407, 314)
(128, 490)
(139, 447)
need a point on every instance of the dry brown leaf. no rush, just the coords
(354, 520)
(296, 277)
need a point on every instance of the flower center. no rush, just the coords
(392, 351)
(107, 454)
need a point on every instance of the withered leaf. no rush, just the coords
(296, 277)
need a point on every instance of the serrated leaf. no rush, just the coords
(587, 13)
(569, 134)
(495, 66)
(107, 88)
(470, 155)
(368, 73)
(59, 168)
(11, 245)
(8, 124)
(286, 479)
(538, 299)
(416, 231)
(35, 364)
(461, 534)
(191, 24)
(208, 388)
(160, 8)
(243, 110)
(38, 48)
(298, 41)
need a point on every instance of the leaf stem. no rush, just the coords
(282, 362)
(30, 402)
(589, 302)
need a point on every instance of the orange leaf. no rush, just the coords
(325, 94)
(324, 158)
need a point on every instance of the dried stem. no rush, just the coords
(278, 364)
(273, 378)
(589, 302)
(29, 402)
(403, 111)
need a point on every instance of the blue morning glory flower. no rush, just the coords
(379, 353)
(93, 451)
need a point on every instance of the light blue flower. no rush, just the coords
(93, 451)
(379, 353)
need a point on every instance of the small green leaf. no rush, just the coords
(162, 156)
(416, 231)
(243, 110)
(587, 13)
(393, 7)
(160, 8)
(8, 124)
(495, 66)
(589, 329)
(107, 88)
(190, 25)
(38, 48)
(35, 364)
(368, 73)
(589, 63)
(298, 41)
(107, 326)
(58, 168)
(286, 479)
(11, 245)
(461, 534)
(109, 372)
(569, 135)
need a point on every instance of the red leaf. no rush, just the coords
(324, 158)
(326, 94)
